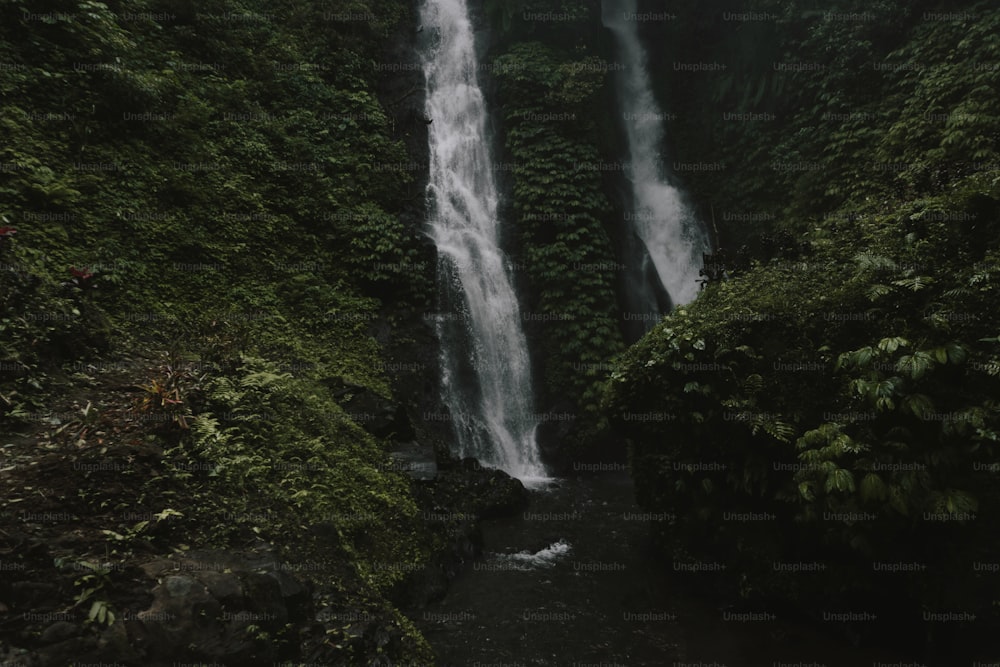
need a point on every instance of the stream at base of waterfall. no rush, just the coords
(573, 582)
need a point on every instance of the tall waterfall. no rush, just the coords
(486, 372)
(673, 236)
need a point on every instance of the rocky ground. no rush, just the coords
(103, 556)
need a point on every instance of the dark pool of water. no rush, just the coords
(571, 582)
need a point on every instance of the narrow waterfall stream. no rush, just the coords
(486, 372)
(674, 238)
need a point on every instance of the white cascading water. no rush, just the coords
(675, 239)
(494, 419)
(546, 558)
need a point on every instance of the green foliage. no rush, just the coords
(516, 15)
(380, 252)
(227, 173)
(281, 447)
(784, 391)
(248, 152)
(42, 323)
(560, 206)
(95, 581)
(849, 395)
(893, 105)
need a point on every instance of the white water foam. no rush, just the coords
(544, 559)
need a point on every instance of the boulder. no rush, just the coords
(382, 417)
(417, 461)
(461, 494)
(217, 607)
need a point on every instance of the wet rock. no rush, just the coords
(417, 461)
(179, 586)
(223, 587)
(382, 417)
(216, 607)
(115, 642)
(463, 493)
(460, 542)
(25, 549)
(296, 595)
(379, 416)
(492, 493)
(66, 652)
(340, 387)
(59, 631)
(555, 436)
(18, 657)
(34, 595)
(467, 489)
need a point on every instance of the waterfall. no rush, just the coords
(674, 238)
(486, 372)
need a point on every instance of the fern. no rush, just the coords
(263, 379)
(868, 261)
(915, 283)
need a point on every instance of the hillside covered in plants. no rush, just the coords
(219, 309)
(830, 399)
(213, 285)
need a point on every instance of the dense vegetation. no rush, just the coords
(211, 196)
(841, 392)
(559, 205)
(220, 202)
(551, 77)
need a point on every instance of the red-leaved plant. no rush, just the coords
(6, 233)
(82, 279)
